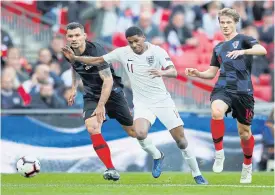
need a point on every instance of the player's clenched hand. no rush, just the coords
(71, 97)
(68, 53)
(192, 72)
(234, 54)
(100, 113)
(155, 73)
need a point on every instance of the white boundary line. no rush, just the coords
(132, 185)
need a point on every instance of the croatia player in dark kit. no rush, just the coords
(102, 90)
(233, 90)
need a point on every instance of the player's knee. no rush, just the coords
(130, 130)
(141, 135)
(182, 143)
(132, 133)
(245, 134)
(244, 131)
(93, 128)
(217, 114)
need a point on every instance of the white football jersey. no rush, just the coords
(147, 90)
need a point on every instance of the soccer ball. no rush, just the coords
(28, 166)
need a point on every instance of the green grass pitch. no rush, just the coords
(174, 183)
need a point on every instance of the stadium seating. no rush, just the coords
(119, 40)
(255, 80)
(195, 57)
(218, 36)
(263, 92)
(264, 79)
(205, 45)
(186, 60)
(203, 66)
(164, 20)
(205, 58)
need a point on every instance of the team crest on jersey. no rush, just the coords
(150, 60)
(235, 44)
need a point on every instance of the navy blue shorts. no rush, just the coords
(241, 105)
(116, 108)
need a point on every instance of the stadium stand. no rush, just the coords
(31, 31)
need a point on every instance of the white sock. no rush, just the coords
(150, 148)
(220, 152)
(246, 166)
(191, 161)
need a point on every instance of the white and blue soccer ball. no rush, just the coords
(28, 166)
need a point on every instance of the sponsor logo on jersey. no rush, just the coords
(168, 59)
(150, 60)
(87, 67)
(235, 44)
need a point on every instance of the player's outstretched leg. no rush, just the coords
(147, 145)
(218, 109)
(156, 170)
(247, 143)
(141, 127)
(178, 135)
(101, 148)
(103, 152)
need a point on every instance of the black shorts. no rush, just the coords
(242, 105)
(116, 107)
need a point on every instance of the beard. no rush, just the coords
(75, 46)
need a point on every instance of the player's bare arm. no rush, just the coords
(89, 60)
(170, 71)
(255, 50)
(73, 89)
(68, 52)
(210, 73)
(107, 78)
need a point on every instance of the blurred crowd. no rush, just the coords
(170, 24)
(44, 84)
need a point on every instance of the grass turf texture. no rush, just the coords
(135, 184)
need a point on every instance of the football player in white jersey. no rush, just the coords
(145, 65)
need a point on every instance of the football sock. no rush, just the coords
(147, 145)
(217, 130)
(248, 146)
(191, 161)
(102, 149)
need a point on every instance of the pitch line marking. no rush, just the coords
(133, 185)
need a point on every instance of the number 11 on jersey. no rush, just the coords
(130, 66)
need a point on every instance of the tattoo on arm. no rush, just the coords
(107, 78)
(105, 73)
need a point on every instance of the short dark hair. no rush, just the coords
(132, 31)
(74, 25)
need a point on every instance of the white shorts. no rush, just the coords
(168, 116)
